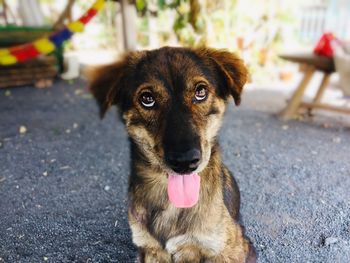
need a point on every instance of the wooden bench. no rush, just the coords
(311, 63)
(36, 71)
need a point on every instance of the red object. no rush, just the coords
(324, 45)
(24, 52)
(88, 15)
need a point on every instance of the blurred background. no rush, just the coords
(63, 176)
(259, 30)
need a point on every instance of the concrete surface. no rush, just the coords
(63, 180)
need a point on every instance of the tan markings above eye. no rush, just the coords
(147, 99)
(201, 92)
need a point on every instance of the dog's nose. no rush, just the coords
(184, 162)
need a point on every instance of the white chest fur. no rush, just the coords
(212, 241)
(208, 236)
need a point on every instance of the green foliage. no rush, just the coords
(140, 5)
(188, 24)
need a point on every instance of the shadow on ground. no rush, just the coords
(63, 183)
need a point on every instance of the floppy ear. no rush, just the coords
(105, 83)
(232, 72)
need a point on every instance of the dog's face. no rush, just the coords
(172, 101)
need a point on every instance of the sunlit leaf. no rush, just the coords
(140, 5)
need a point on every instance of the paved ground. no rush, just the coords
(63, 182)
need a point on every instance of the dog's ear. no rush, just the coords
(231, 70)
(105, 83)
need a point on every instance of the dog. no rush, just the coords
(183, 201)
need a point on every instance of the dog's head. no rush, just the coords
(172, 101)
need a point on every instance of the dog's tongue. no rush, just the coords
(183, 190)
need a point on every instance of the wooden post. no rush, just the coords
(293, 105)
(320, 91)
(129, 24)
(322, 88)
(67, 13)
(4, 10)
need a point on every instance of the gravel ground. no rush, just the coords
(63, 181)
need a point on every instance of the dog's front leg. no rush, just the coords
(238, 249)
(153, 255)
(187, 254)
(150, 250)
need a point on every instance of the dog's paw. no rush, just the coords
(186, 255)
(153, 256)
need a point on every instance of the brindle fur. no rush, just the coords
(207, 232)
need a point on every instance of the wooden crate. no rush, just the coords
(30, 72)
(12, 35)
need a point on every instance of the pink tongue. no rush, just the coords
(183, 190)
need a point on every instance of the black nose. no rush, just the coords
(184, 162)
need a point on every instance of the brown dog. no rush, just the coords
(184, 203)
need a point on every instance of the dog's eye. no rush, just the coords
(201, 92)
(147, 99)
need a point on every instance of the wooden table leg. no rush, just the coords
(293, 105)
(321, 89)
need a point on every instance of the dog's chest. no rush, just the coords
(175, 227)
(179, 227)
(171, 221)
